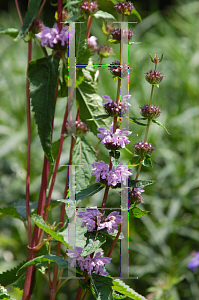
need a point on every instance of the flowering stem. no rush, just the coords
(146, 133)
(18, 10)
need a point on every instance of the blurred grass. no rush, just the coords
(160, 242)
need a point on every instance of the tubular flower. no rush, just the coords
(114, 141)
(95, 220)
(111, 177)
(194, 263)
(90, 264)
(52, 38)
(115, 110)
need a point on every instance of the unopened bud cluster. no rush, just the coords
(125, 34)
(142, 149)
(153, 77)
(116, 110)
(118, 70)
(79, 127)
(150, 112)
(135, 195)
(36, 27)
(105, 51)
(89, 7)
(124, 7)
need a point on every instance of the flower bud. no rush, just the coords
(89, 7)
(135, 195)
(36, 26)
(105, 51)
(126, 33)
(124, 7)
(154, 77)
(118, 70)
(142, 149)
(150, 112)
(81, 128)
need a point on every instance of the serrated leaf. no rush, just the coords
(104, 116)
(103, 14)
(147, 161)
(9, 31)
(101, 287)
(140, 183)
(90, 103)
(138, 213)
(160, 124)
(82, 52)
(135, 12)
(29, 17)
(93, 243)
(83, 156)
(41, 224)
(10, 211)
(124, 289)
(62, 263)
(43, 76)
(10, 277)
(117, 296)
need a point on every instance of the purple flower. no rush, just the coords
(111, 177)
(116, 140)
(92, 44)
(142, 149)
(115, 110)
(153, 77)
(119, 70)
(194, 263)
(124, 7)
(51, 37)
(89, 7)
(94, 264)
(150, 112)
(95, 219)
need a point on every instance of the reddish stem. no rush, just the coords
(18, 10)
(79, 293)
(41, 8)
(90, 19)
(59, 12)
(28, 147)
(85, 294)
(105, 194)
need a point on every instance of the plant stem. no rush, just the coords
(28, 147)
(105, 196)
(18, 10)
(85, 294)
(41, 8)
(90, 19)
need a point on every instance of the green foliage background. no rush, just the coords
(161, 241)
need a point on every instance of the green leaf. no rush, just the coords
(21, 207)
(9, 31)
(124, 289)
(135, 12)
(10, 211)
(83, 156)
(134, 161)
(43, 76)
(10, 277)
(71, 3)
(41, 224)
(137, 212)
(104, 116)
(113, 41)
(93, 243)
(140, 183)
(29, 17)
(82, 52)
(134, 120)
(117, 296)
(80, 237)
(90, 103)
(147, 161)
(87, 192)
(158, 123)
(101, 287)
(103, 14)
(62, 263)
